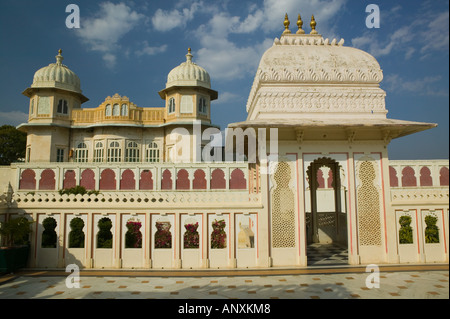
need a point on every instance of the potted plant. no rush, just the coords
(15, 246)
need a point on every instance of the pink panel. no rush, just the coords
(166, 182)
(393, 179)
(183, 179)
(108, 180)
(127, 182)
(28, 180)
(425, 177)
(237, 180)
(47, 181)
(199, 181)
(330, 179)
(218, 179)
(69, 179)
(146, 181)
(88, 179)
(408, 178)
(320, 179)
(443, 178)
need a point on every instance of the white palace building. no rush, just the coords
(323, 191)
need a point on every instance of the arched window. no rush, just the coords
(114, 152)
(81, 153)
(116, 110)
(171, 105)
(124, 110)
(202, 105)
(108, 111)
(99, 152)
(62, 107)
(152, 153)
(132, 152)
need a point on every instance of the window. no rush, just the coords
(98, 152)
(171, 105)
(187, 104)
(114, 152)
(124, 110)
(32, 107)
(81, 153)
(62, 107)
(152, 153)
(60, 155)
(132, 152)
(202, 105)
(116, 110)
(28, 154)
(108, 110)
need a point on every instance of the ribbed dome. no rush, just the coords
(308, 76)
(311, 59)
(188, 74)
(57, 75)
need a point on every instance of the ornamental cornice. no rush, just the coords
(337, 100)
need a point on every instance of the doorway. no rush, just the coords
(326, 220)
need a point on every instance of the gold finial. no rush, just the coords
(313, 25)
(300, 24)
(59, 58)
(286, 24)
(189, 56)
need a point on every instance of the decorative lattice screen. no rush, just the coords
(283, 208)
(369, 209)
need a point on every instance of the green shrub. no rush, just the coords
(431, 231)
(104, 236)
(76, 235)
(49, 236)
(77, 190)
(16, 231)
(405, 233)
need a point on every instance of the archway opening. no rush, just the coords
(326, 218)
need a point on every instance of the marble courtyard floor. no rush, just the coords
(327, 282)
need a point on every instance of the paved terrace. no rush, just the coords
(326, 282)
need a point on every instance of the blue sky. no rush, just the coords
(129, 47)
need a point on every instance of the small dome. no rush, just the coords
(188, 74)
(57, 75)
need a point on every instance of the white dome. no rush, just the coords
(307, 76)
(311, 59)
(57, 75)
(188, 74)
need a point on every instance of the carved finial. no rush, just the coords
(59, 57)
(313, 25)
(286, 25)
(189, 56)
(300, 24)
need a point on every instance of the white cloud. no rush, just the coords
(149, 50)
(436, 35)
(13, 118)
(225, 97)
(408, 38)
(227, 59)
(422, 86)
(103, 32)
(167, 20)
